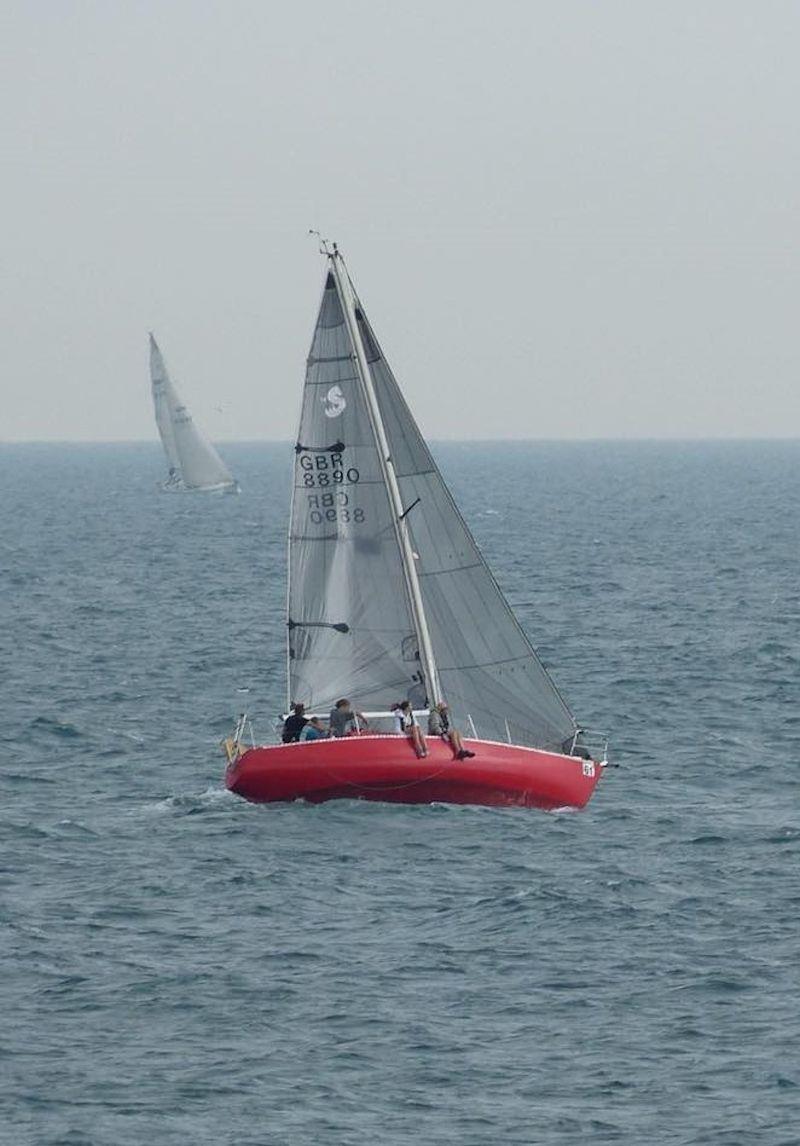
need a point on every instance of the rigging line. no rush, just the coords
(328, 382)
(414, 473)
(452, 569)
(406, 512)
(387, 527)
(324, 248)
(485, 664)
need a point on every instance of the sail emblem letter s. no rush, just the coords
(334, 402)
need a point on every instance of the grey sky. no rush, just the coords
(565, 219)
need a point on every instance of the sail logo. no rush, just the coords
(334, 402)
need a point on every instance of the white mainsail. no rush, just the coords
(193, 462)
(351, 630)
(389, 595)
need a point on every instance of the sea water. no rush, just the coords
(180, 967)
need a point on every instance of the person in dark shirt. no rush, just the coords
(344, 719)
(294, 724)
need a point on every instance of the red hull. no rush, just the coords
(385, 768)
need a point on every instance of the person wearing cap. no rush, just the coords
(439, 725)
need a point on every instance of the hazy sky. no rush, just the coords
(576, 218)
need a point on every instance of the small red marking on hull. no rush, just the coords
(385, 768)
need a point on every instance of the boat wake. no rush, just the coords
(194, 803)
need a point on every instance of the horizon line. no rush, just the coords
(439, 441)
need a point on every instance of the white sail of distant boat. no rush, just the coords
(194, 464)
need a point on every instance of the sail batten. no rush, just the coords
(193, 462)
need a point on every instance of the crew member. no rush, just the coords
(294, 724)
(439, 725)
(405, 724)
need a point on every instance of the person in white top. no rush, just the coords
(405, 724)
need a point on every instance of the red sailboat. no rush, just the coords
(390, 598)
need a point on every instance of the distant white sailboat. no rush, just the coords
(194, 464)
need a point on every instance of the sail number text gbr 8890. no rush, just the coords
(329, 475)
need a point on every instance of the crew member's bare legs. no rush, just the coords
(418, 740)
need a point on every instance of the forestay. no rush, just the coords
(195, 459)
(488, 670)
(351, 632)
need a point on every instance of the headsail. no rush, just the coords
(487, 667)
(192, 460)
(351, 628)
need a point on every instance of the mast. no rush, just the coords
(345, 290)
